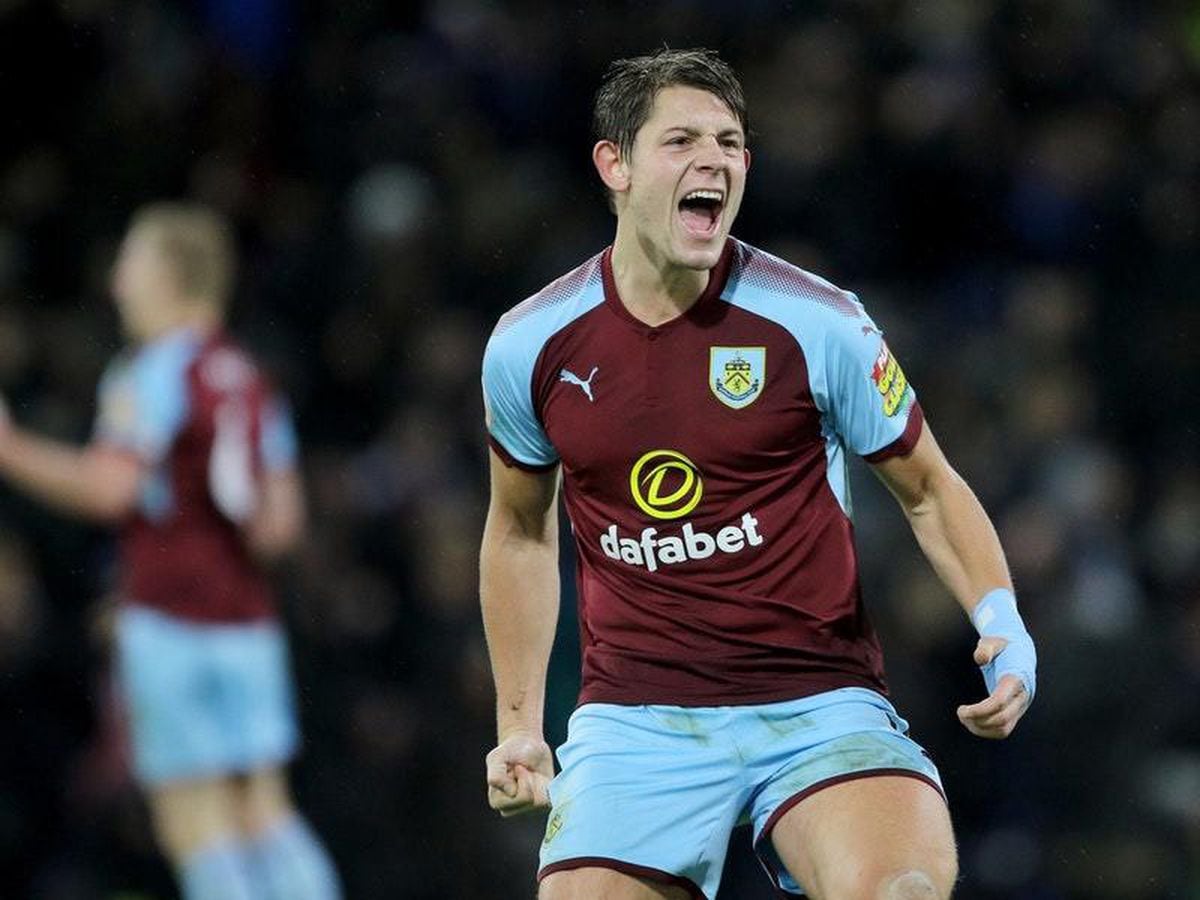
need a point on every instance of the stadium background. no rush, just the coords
(1012, 188)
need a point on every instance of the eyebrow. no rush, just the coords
(694, 132)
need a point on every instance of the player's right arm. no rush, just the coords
(519, 593)
(141, 404)
(95, 482)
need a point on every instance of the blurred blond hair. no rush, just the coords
(196, 243)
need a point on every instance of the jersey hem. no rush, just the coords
(625, 868)
(256, 617)
(595, 694)
(903, 445)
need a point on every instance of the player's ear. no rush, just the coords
(613, 169)
(746, 158)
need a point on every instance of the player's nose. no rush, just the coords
(709, 155)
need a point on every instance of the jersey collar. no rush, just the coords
(719, 275)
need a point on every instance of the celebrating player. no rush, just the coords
(699, 398)
(194, 460)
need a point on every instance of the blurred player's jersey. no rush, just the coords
(203, 422)
(704, 472)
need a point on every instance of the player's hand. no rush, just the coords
(997, 716)
(518, 772)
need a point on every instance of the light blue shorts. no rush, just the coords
(655, 791)
(204, 699)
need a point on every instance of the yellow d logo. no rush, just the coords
(682, 480)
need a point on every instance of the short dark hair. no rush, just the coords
(627, 93)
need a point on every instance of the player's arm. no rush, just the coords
(519, 593)
(96, 482)
(960, 542)
(254, 474)
(276, 526)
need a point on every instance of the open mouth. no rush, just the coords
(700, 211)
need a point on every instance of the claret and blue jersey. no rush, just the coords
(704, 473)
(200, 418)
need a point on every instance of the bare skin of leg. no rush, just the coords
(191, 815)
(597, 883)
(263, 800)
(875, 838)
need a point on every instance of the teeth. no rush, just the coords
(705, 195)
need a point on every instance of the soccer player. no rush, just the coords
(193, 459)
(698, 399)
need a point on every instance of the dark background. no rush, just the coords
(1011, 187)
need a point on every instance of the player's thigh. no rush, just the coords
(645, 791)
(252, 693)
(609, 884)
(881, 836)
(162, 675)
(193, 814)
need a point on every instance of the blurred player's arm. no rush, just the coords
(519, 593)
(96, 482)
(258, 486)
(277, 525)
(958, 538)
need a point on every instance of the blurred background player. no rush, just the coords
(193, 459)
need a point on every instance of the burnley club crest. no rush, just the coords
(736, 374)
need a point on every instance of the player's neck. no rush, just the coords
(653, 290)
(201, 321)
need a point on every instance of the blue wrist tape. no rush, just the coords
(996, 616)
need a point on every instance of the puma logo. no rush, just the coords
(586, 386)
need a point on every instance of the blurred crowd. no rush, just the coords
(1012, 188)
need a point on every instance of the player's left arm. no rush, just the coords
(254, 474)
(277, 525)
(958, 538)
(96, 482)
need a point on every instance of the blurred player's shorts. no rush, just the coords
(204, 700)
(655, 790)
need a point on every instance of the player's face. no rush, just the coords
(687, 174)
(141, 284)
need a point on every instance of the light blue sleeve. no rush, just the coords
(508, 364)
(144, 399)
(869, 398)
(278, 444)
(115, 408)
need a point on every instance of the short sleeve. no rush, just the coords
(513, 425)
(873, 407)
(143, 401)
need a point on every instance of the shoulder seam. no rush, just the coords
(563, 289)
(758, 269)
